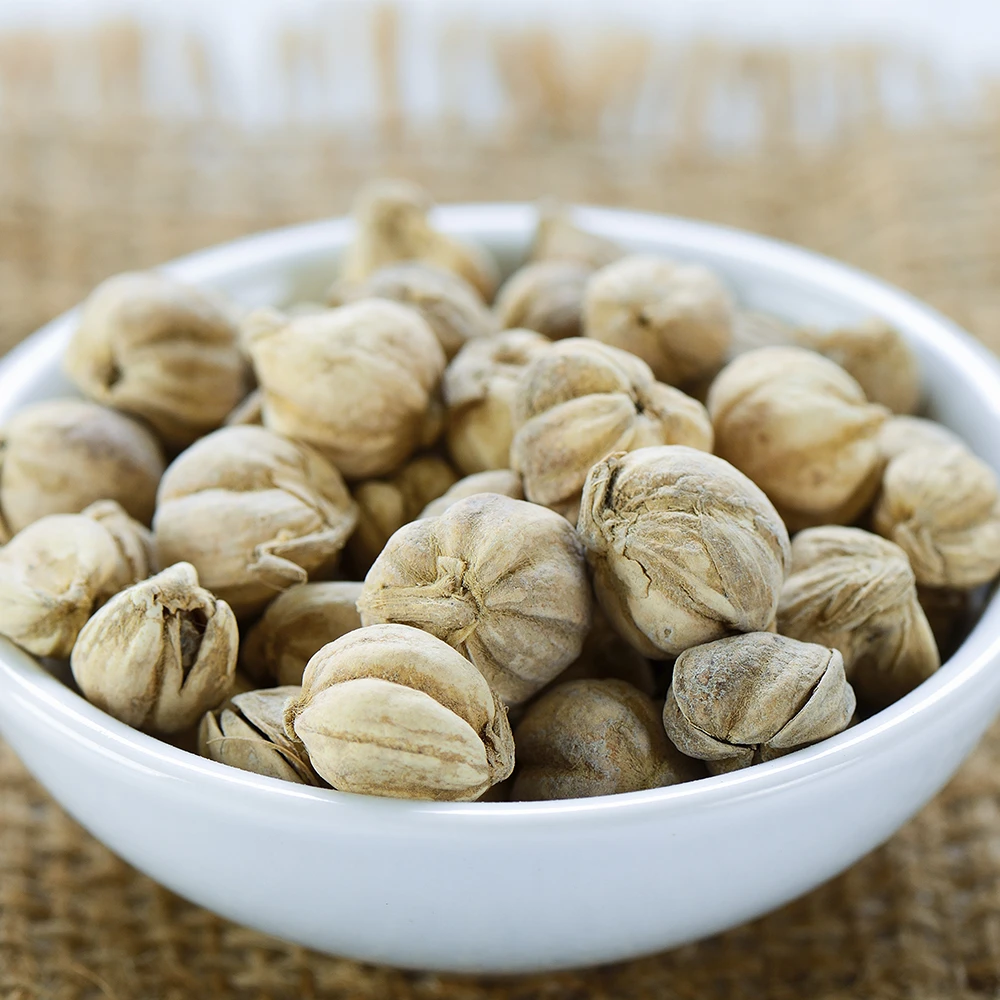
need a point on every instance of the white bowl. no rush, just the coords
(513, 887)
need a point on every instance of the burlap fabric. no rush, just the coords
(919, 918)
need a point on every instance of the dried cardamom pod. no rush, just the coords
(595, 737)
(248, 732)
(385, 505)
(500, 580)
(392, 223)
(253, 512)
(59, 456)
(357, 383)
(677, 317)
(478, 389)
(296, 625)
(390, 710)
(451, 307)
(750, 698)
(56, 572)
(546, 296)
(855, 592)
(159, 654)
(582, 400)
(558, 237)
(899, 434)
(684, 548)
(161, 350)
(877, 356)
(503, 481)
(800, 427)
(941, 506)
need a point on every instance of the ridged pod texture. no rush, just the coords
(500, 580)
(684, 548)
(391, 710)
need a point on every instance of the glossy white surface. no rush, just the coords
(516, 887)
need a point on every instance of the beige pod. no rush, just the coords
(61, 455)
(61, 568)
(877, 355)
(385, 505)
(451, 307)
(941, 506)
(296, 625)
(254, 513)
(392, 225)
(159, 349)
(478, 389)
(248, 732)
(855, 592)
(558, 237)
(358, 383)
(677, 317)
(750, 698)
(391, 710)
(903, 433)
(684, 548)
(801, 428)
(502, 581)
(159, 654)
(545, 296)
(582, 400)
(595, 737)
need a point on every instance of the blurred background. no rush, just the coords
(131, 132)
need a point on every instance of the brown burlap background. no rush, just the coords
(83, 198)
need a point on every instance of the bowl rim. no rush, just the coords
(40, 692)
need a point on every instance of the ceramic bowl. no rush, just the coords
(513, 887)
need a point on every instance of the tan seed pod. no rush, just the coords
(558, 237)
(677, 317)
(546, 296)
(56, 572)
(595, 737)
(750, 698)
(390, 710)
(159, 349)
(800, 427)
(159, 654)
(941, 506)
(357, 383)
(62, 455)
(899, 434)
(503, 481)
(877, 356)
(385, 505)
(478, 389)
(254, 513)
(684, 548)
(392, 223)
(451, 307)
(297, 624)
(582, 400)
(248, 732)
(855, 592)
(500, 580)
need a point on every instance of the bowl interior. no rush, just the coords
(962, 381)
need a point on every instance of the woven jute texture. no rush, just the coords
(81, 199)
